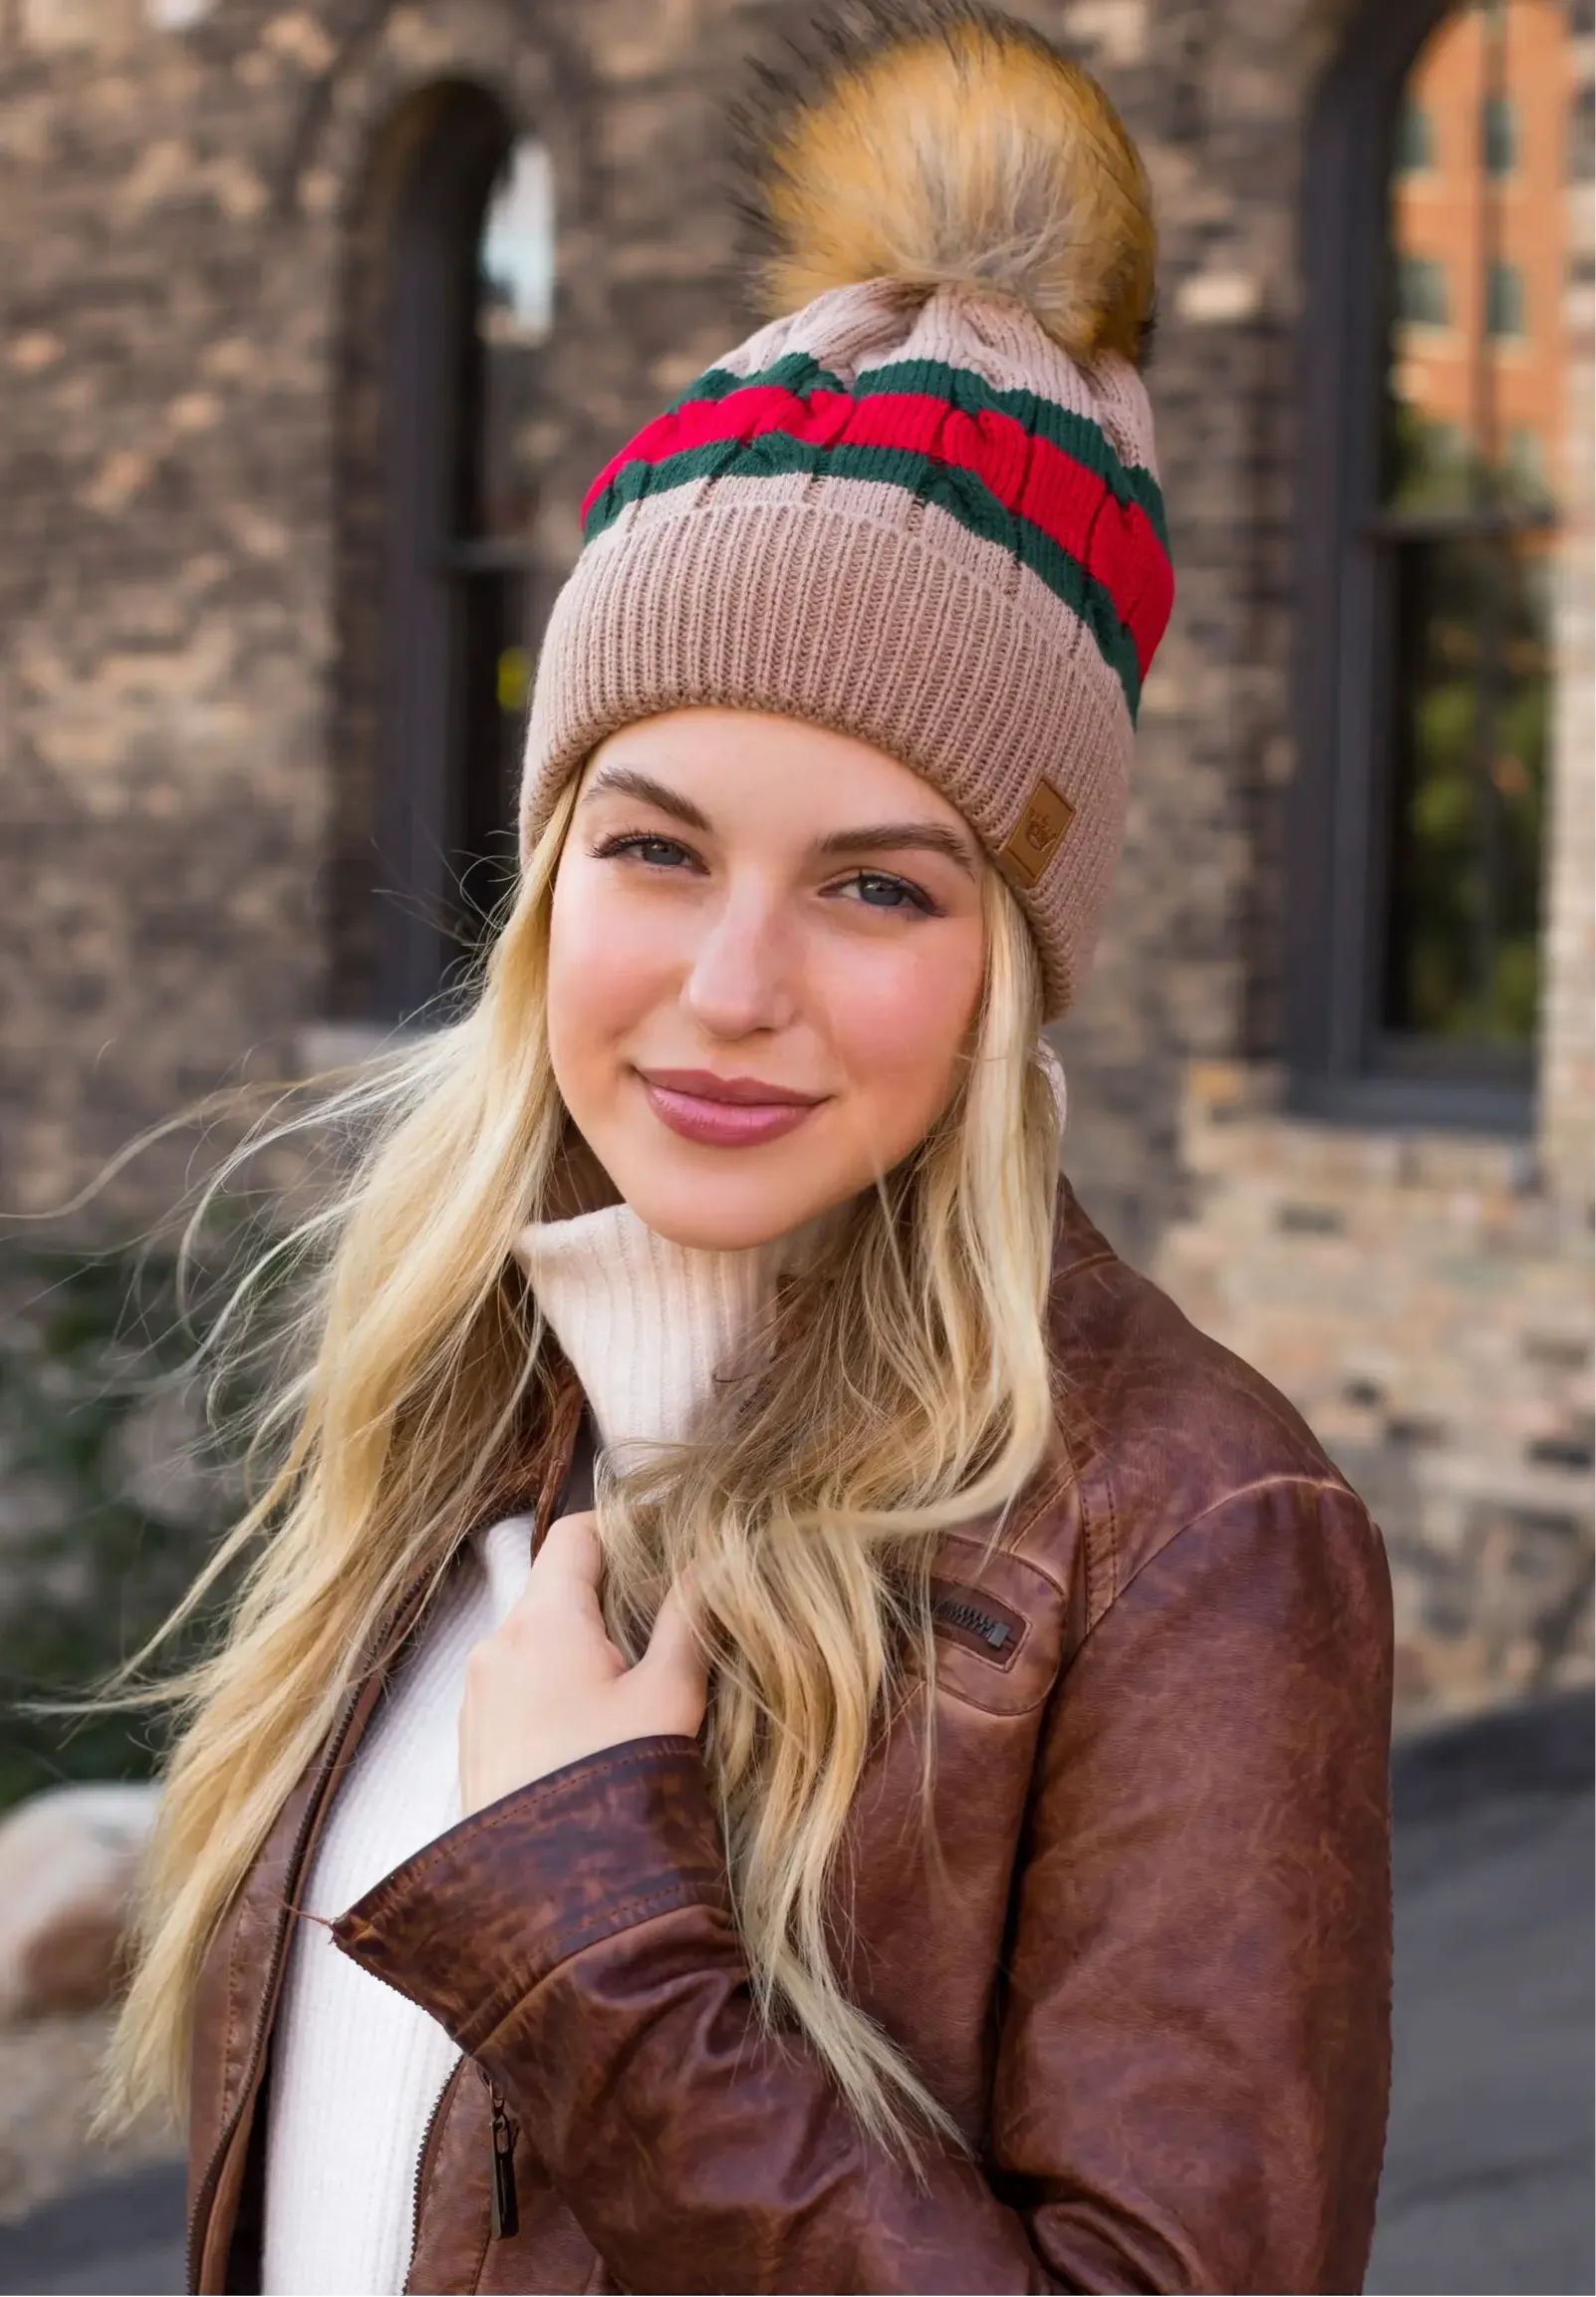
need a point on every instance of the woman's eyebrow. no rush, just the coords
(918, 836)
(625, 781)
(868, 837)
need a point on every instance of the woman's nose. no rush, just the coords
(741, 980)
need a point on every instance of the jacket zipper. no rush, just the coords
(505, 2211)
(400, 1623)
(506, 2207)
(956, 1612)
(424, 2162)
(429, 2137)
(205, 2193)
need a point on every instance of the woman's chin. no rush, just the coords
(728, 1211)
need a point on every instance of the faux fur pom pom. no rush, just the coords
(948, 144)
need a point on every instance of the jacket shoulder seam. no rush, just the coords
(1065, 1277)
(1316, 1482)
(1041, 1503)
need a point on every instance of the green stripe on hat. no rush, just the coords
(795, 371)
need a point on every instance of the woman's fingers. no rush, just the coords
(550, 1687)
(568, 1567)
(673, 1666)
(572, 1550)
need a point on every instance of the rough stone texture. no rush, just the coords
(67, 1861)
(184, 566)
(1429, 1313)
(49, 2089)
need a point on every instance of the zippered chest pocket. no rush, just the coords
(998, 1626)
(978, 1621)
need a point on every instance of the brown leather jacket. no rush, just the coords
(1145, 1962)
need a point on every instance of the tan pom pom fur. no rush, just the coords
(971, 152)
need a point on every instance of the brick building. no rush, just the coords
(319, 315)
(1483, 249)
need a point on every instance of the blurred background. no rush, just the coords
(317, 321)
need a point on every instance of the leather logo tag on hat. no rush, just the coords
(1036, 836)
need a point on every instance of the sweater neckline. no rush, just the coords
(647, 1324)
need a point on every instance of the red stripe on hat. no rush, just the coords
(740, 415)
(1115, 542)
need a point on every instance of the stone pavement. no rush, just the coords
(1487, 2183)
(120, 2236)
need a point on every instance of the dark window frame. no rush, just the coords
(1507, 301)
(1499, 136)
(1338, 1066)
(1414, 142)
(1432, 271)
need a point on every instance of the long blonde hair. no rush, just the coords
(901, 1388)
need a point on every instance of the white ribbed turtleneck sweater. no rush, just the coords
(355, 2069)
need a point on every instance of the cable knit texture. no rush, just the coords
(645, 1323)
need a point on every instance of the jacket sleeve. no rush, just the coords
(1190, 2079)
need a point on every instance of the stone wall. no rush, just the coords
(173, 244)
(1426, 1305)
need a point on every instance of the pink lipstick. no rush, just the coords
(725, 1112)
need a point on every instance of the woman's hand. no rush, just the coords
(550, 1686)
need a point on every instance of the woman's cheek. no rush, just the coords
(606, 955)
(900, 1014)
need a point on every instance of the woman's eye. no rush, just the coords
(656, 852)
(876, 890)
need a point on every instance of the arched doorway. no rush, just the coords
(449, 303)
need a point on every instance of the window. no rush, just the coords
(1415, 153)
(1504, 301)
(466, 309)
(1498, 134)
(1422, 298)
(490, 552)
(1424, 661)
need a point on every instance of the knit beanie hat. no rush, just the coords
(920, 507)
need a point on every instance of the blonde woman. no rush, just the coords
(924, 1827)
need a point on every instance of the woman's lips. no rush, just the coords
(724, 1114)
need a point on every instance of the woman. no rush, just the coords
(928, 1827)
